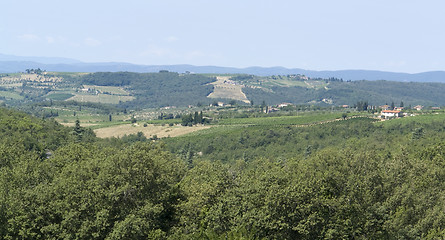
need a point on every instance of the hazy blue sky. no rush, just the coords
(393, 35)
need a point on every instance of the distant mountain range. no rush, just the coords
(11, 64)
(43, 60)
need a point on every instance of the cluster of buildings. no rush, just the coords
(270, 109)
(90, 90)
(387, 112)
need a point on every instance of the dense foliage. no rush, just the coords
(156, 89)
(252, 142)
(360, 180)
(58, 183)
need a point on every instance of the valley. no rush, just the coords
(334, 163)
(174, 149)
(222, 120)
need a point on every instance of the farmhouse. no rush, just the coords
(385, 107)
(271, 109)
(391, 113)
(284, 105)
(418, 107)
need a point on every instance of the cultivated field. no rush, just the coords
(11, 85)
(71, 124)
(282, 120)
(11, 95)
(100, 98)
(101, 94)
(283, 81)
(286, 83)
(149, 131)
(224, 88)
(29, 77)
(59, 96)
(109, 89)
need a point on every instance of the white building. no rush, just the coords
(391, 113)
(418, 107)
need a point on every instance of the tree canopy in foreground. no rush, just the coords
(382, 182)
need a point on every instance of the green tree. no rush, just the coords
(196, 118)
(78, 131)
(361, 105)
(201, 118)
(417, 133)
(187, 120)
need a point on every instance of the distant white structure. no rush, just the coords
(385, 107)
(284, 105)
(418, 107)
(391, 113)
(219, 104)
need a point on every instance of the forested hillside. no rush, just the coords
(353, 179)
(156, 89)
(137, 91)
(173, 89)
(375, 92)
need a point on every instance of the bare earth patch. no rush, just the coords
(149, 131)
(224, 88)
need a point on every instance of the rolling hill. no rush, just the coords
(10, 64)
(131, 90)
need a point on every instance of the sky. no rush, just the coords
(387, 35)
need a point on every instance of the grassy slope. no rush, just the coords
(11, 95)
